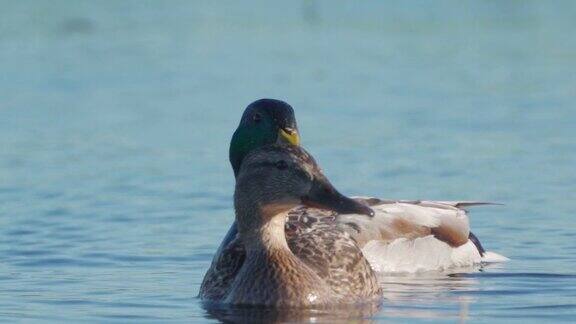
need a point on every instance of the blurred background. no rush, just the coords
(115, 120)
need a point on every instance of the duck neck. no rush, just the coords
(264, 234)
(272, 274)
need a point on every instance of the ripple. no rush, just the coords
(515, 275)
(28, 253)
(544, 307)
(62, 262)
(21, 232)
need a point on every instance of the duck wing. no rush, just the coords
(447, 221)
(411, 236)
(315, 237)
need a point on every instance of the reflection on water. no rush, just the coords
(426, 290)
(423, 296)
(344, 313)
(415, 296)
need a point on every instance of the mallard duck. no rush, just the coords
(264, 122)
(322, 265)
(403, 236)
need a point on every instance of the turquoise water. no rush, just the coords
(115, 117)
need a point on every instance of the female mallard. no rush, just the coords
(402, 236)
(318, 266)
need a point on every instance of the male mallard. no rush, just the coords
(264, 122)
(402, 236)
(320, 266)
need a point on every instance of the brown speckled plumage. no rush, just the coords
(328, 249)
(319, 242)
(310, 260)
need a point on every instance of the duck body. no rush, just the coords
(279, 257)
(318, 243)
(331, 269)
(417, 236)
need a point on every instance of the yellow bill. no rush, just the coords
(289, 135)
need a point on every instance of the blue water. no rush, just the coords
(115, 117)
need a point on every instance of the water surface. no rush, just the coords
(115, 117)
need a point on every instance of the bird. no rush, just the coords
(403, 235)
(315, 266)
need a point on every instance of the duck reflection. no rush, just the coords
(363, 313)
(430, 295)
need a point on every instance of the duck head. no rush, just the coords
(264, 122)
(275, 178)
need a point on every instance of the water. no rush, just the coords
(115, 117)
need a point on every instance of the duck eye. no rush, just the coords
(281, 165)
(257, 118)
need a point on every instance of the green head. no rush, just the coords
(264, 122)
